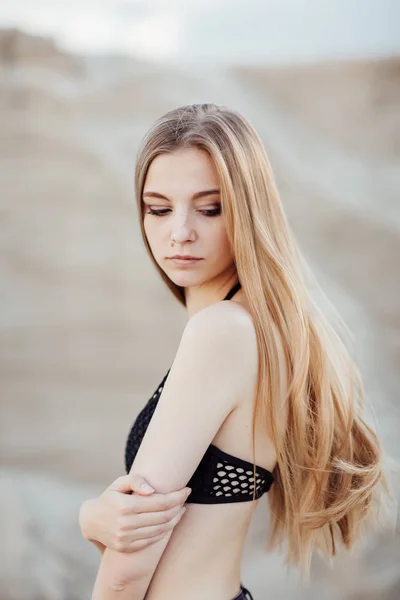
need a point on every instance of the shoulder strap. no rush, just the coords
(233, 291)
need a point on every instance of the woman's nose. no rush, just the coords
(182, 231)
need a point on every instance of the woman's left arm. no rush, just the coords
(121, 577)
(214, 363)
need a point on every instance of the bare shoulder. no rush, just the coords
(220, 342)
(227, 324)
(228, 328)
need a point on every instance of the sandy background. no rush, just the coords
(87, 329)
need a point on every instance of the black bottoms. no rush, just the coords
(244, 594)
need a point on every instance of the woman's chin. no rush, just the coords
(184, 279)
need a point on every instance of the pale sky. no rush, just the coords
(216, 31)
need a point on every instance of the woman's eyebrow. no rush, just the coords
(195, 196)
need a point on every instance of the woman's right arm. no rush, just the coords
(127, 522)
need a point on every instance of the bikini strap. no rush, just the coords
(233, 291)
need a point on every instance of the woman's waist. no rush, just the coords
(221, 582)
(195, 557)
(204, 551)
(198, 560)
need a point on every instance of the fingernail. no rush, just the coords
(188, 491)
(146, 488)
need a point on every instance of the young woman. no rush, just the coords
(262, 397)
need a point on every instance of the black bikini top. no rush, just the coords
(219, 477)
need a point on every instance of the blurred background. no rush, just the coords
(87, 329)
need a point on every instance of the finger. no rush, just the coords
(158, 529)
(139, 485)
(158, 502)
(139, 544)
(122, 484)
(127, 545)
(149, 519)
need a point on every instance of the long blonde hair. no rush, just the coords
(329, 460)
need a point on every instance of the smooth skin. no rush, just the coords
(207, 398)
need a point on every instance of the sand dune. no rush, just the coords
(354, 104)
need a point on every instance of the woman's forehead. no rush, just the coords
(188, 171)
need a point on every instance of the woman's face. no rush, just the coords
(182, 205)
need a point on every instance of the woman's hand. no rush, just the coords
(127, 522)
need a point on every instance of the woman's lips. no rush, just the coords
(185, 261)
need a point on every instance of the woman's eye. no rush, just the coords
(158, 213)
(210, 212)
